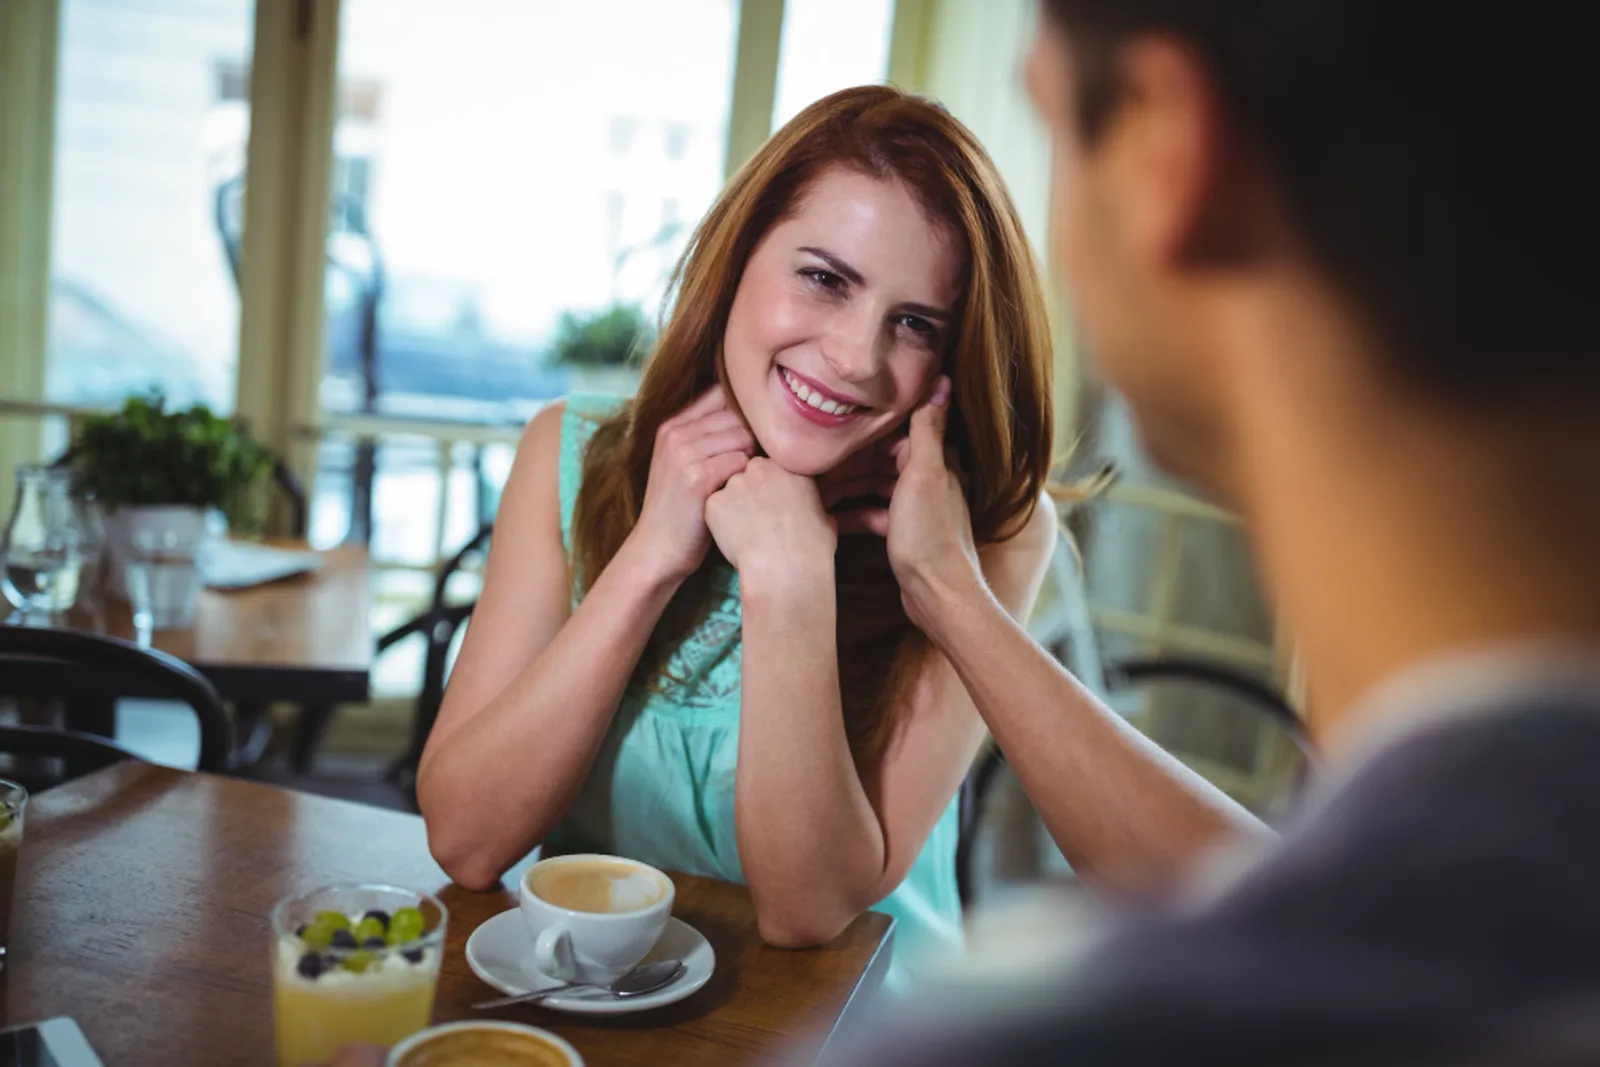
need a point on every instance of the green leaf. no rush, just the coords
(145, 454)
(611, 337)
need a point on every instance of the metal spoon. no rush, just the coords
(636, 983)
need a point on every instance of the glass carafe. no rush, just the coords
(41, 552)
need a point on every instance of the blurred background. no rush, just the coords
(383, 233)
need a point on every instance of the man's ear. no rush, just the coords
(1169, 159)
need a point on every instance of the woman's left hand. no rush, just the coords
(768, 521)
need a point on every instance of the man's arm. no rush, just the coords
(1126, 815)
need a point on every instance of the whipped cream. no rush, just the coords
(391, 971)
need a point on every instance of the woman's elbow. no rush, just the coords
(460, 850)
(786, 928)
(467, 862)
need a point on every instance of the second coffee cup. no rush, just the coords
(593, 917)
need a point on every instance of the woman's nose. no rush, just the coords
(855, 351)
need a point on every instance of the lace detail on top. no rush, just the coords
(662, 786)
(704, 671)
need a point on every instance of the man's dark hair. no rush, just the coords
(1431, 155)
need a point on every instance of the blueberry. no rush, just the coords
(379, 914)
(374, 943)
(310, 965)
(413, 955)
(343, 939)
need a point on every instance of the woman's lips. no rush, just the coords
(816, 403)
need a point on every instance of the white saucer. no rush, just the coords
(497, 949)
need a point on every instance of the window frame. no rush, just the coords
(289, 160)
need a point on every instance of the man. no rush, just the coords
(1339, 256)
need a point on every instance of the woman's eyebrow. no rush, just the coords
(927, 312)
(839, 266)
(855, 277)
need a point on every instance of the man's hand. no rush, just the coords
(359, 1056)
(927, 524)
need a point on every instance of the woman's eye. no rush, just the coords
(825, 278)
(921, 327)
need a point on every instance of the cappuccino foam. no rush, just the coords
(485, 1048)
(596, 886)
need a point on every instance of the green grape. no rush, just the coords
(405, 925)
(368, 928)
(317, 936)
(358, 962)
(333, 920)
(5, 818)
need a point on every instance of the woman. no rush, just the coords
(690, 649)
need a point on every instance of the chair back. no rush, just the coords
(73, 666)
(84, 753)
(1250, 691)
(1120, 676)
(438, 626)
(1211, 715)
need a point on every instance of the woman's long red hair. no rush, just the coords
(998, 359)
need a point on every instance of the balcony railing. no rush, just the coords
(450, 442)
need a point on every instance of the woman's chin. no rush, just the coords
(804, 462)
(805, 458)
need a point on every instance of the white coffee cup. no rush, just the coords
(483, 1041)
(593, 917)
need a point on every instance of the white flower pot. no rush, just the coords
(155, 555)
(617, 381)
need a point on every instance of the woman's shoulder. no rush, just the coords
(1016, 566)
(540, 443)
(1036, 540)
(552, 448)
(593, 407)
(562, 424)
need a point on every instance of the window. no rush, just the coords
(515, 162)
(518, 159)
(151, 122)
(829, 45)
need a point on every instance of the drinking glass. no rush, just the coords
(41, 549)
(161, 560)
(92, 538)
(353, 964)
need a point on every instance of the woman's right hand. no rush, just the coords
(696, 452)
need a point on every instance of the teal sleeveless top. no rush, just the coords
(661, 787)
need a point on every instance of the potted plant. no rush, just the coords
(603, 348)
(160, 475)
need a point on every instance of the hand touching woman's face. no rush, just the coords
(840, 320)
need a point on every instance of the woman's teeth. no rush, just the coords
(816, 399)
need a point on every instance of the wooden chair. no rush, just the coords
(81, 668)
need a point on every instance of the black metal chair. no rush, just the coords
(81, 668)
(83, 753)
(1121, 675)
(437, 625)
(1253, 692)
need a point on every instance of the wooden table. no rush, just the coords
(306, 639)
(142, 910)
